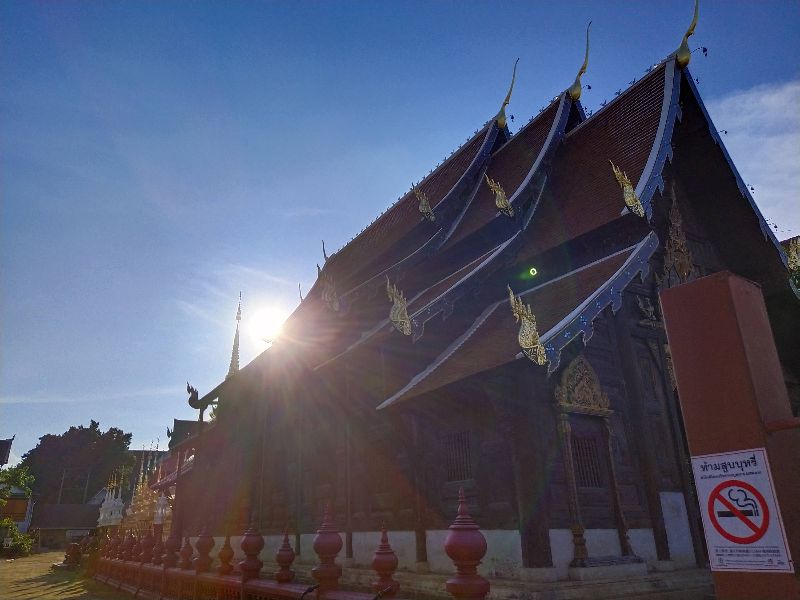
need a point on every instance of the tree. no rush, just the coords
(76, 463)
(19, 477)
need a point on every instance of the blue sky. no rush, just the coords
(158, 157)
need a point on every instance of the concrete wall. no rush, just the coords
(679, 535)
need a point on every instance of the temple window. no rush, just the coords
(587, 462)
(458, 459)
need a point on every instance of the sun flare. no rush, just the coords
(264, 327)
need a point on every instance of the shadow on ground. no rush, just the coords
(31, 578)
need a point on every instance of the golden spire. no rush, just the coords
(683, 55)
(501, 116)
(234, 367)
(574, 90)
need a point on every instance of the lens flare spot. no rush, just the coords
(266, 323)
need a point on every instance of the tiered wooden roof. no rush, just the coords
(570, 221)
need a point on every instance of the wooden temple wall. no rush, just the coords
(279, 461)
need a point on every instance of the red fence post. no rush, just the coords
(284, 557)
(384, 561)
(158, 546)
(252, 545)
(127, 547)
(136, 550)
(186, 555)
(147, 543)
(225, 557)
(204, 544)
(172, 545)
(466, 546)
(327, 544)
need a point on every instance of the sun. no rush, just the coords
(265, 325)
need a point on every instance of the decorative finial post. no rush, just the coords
(127, 547)
(225, 557)
(466, 546)
(147, 543)
(327, 544)
(186, 555)
(384, 562)
(158, 545)
(575, 89)
(234, 366)
(252, 544)
(204, 544)
(683, 54)
(172, 545)
(284, 557)
(501, 116)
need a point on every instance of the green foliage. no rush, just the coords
(84, 456)
(18, 476)
(21, 543)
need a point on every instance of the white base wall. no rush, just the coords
(504, 554)
(679, 535)
(599, 542)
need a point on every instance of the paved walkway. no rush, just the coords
(31, 578)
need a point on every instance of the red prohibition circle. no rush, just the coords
(758, 531)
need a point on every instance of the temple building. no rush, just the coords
(498, 329)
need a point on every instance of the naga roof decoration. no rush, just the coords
(628, 193)
(424, 204)
(328, 293)
(528, 336)
(398, 314)
(793, 261)
(500, 198)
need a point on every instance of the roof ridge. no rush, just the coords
(590, 118)
(439, 166)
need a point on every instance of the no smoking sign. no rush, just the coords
(741, 519)
(738, 512)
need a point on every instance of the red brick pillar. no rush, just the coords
(733, 398)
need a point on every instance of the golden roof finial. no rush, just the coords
(683, 54)
(501, 116)
(574, 90)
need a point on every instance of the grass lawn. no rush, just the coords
(31, 578)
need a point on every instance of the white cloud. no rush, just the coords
(763, 139)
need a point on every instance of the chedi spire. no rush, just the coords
(234, 367)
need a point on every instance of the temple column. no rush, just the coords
(413, 444)
(522, 429)
(348, 500)
(580, 553)
(636, 397)
(619, 516)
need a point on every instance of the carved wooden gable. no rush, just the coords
(580, 390)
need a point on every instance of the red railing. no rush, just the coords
(147, 568)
